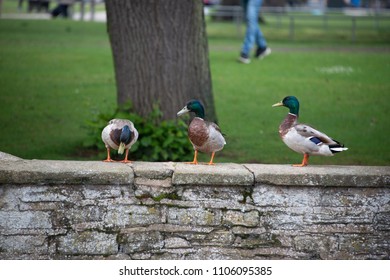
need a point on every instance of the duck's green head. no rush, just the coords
(193, 106)
(290, 102)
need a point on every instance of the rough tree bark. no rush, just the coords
(160, 53)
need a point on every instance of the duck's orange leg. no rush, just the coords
(212, 158)
(126, 156)
(108, 159)
(195, 161)
(305, 161)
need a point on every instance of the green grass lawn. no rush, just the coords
(56, 75)
(349, 106)
(11, 7)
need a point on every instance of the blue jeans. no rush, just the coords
(253, 33)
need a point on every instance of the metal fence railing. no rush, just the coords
(293, 18)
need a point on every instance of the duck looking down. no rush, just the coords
(302, 138)
(206, 137)
(119, 134)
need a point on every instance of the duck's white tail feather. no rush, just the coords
(337, 149)
(121, 148)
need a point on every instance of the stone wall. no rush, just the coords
(96, 210)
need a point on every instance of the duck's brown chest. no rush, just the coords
(287, 123)
(198, 132)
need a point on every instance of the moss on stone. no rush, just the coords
(172, 196)
(245, 194)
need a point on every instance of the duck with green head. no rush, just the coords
(206, 137)
(303, 138)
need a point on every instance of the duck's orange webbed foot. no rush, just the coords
(108, 159)
(305, 161)
(212, 159)
(126, 160)
(195, 161)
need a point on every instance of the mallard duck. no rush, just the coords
(119, 134)
(302, 138)
(206, 137)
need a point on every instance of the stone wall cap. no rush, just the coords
(324, 175)
(221, 174)
(8, 157)
(65, 172)
(153, 170)
(14, 170)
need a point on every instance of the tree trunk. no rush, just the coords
(160, 54)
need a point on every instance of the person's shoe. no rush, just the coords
(262, 52)
(243, 58)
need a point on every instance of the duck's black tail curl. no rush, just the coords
(337, 148)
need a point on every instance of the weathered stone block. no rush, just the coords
(248, 219)
(194, 216)
(176, 242)
(281, 220)
(215, 253)
(219, 238)
(85, 214)
(339, 215)
(353, 197)
(382, 221)
(24, 244)
(346, 176)
(101, 192)
(154, 183)
(266, 195)
(25, 220)
(318, 246)
(153, 170)
(363, 246)
(42, 206)
(241, 230)
(228, 204)
(124, 215)
(10, 198)
(88, 242)
(43, 194)
(174, 228)
(154, 194)
(222, 174)
(65, 172)
(152, 179)
(140, 240)
(215, 194)
(257, 240)
(334, 228)
(8, 157)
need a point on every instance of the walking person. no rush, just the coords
(62, 8)
(253, 33)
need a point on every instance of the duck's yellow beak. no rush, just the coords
(278, 104)
(182, 111)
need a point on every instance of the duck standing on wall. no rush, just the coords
(206, 137)
(119, 134)
(301, 137)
